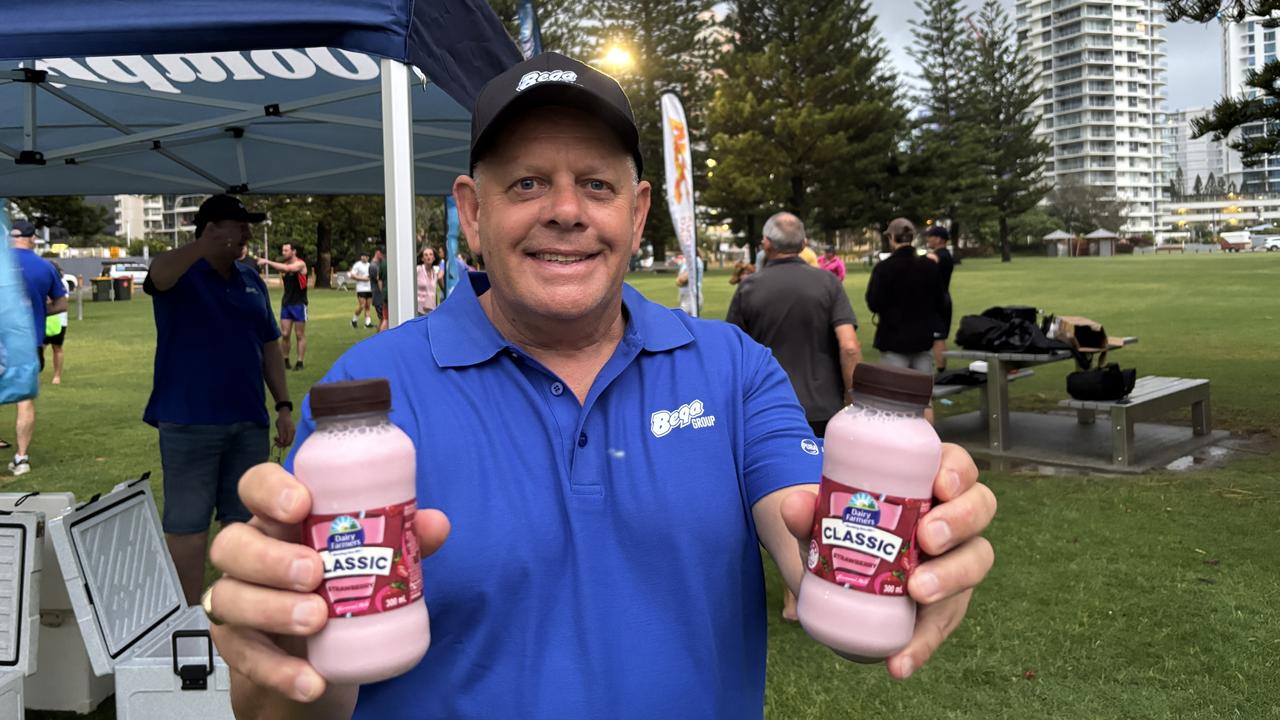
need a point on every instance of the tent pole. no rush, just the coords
(397, 155)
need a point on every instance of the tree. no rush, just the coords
(1211, 185)
(69, 212)
(791, 129)
(1198, 188)
(672, 47)
(998, 109)
(1081, 208)
(1229, 112)
(948, 140)
(559, 23)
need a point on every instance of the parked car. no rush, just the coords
(1272, 244)
(136, 271)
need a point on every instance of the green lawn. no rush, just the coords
(1135, 597)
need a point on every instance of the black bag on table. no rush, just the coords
(1006, 313)
(1105, 382)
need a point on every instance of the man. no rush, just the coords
(364, 290)
(55, 332)
(832, 262)
(378, 279)
(47, 296)
(216, 342)
(937, 238)
(605, 561)
(803, 316)
(293, 306)
(691, 292)
(904, 293)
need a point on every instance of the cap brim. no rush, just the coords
(562, 94)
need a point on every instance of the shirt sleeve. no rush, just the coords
(779, 449)
(734, 316)
(56, 288)
(841, 311)
(268, 331)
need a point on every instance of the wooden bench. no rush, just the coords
(1151, 396)
(1170, 249)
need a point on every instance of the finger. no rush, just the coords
(949, 524)
(244, 552)
(956, 473)
(433, 529)
(934, 623)
(271, 493)
(953, 573)
(251, 654)
(279, 612)
(797, 513)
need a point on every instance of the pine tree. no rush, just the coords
(1011, 178)
(672, 44)
(791, 128)
(1198, 188)
(947, 140)
(559, 23)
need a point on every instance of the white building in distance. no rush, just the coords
(1102, 77)
(1247, 45)
(1201, 157)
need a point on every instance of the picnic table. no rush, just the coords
(999, 367)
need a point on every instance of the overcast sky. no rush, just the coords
(1195, 73)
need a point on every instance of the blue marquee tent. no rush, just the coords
(281, 96)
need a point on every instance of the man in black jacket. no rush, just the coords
(905, 294)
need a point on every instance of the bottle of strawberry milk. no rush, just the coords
(360, 471)
(880, 458)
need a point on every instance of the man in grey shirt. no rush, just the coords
(803, 315)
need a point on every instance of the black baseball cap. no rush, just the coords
(938, 231)
(24, 228)
(224, 207)
(552, 79)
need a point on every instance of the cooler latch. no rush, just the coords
(194, 677)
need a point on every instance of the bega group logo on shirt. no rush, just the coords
(692, 413)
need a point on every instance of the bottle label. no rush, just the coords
(864, 541)
(371, 559)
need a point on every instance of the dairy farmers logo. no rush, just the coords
(862, 510)
(690, 414)
(530, 79)
(344, 533)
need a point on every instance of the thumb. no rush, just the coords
(797, 513)
(433, 528)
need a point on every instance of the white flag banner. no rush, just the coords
(679, 164)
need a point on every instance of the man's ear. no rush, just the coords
(644, 200)
(466, 195)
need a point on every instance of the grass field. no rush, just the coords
(1136, 597)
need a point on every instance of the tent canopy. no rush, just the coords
(195, 96)
(1101, 234)
(1057, 235)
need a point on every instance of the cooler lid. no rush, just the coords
(53, 592)
(121, 579)
(19, 589)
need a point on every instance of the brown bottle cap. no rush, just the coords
(350, 397)
(892, 383)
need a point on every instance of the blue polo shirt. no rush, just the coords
(603, 561)
(42, 282)
(209, 336)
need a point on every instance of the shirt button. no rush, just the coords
(582, 440)
(557, 389)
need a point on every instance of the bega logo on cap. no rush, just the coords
(535, 77)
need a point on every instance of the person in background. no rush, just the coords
(378, 281)
(364, 290)
(47, 296)
(689, 294)
(831, 262)
(293, 305)
(937, 238)
(428, 280)
(216, 344)
(55, 333)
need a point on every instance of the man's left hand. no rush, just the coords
(284, 428)
(950, 534)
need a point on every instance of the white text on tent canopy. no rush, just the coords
(160, 72)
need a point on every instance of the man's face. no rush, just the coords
(287, 252)
(935, 242)
(556, 213)
(364, 258)
(230, 237)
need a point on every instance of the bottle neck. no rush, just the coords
(865, 399)
(352, 419)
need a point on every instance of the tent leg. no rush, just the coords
(397, 156)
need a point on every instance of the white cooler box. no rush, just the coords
(63, 680)
(19, 605)
(128, 603)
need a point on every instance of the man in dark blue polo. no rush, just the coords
(216, 341)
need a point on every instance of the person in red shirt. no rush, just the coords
(831, 262)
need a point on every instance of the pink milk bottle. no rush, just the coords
(360, 471)
(880, 458)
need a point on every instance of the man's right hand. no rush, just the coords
(266, 600)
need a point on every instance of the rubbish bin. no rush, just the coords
(124, 288)
(102, 289)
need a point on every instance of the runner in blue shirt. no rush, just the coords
(47, 296)
(627, 463)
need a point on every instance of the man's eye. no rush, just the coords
(598, 185)
(526, 184)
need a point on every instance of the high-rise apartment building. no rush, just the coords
(1247, 45)
(169, 217)
(1102, 75)
(1201, 157)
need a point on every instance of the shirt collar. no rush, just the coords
(462, 335)
(787, 259)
